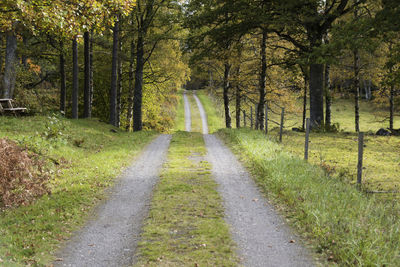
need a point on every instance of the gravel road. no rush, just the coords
(110, 237)
(188, 116)
(262, 237)
(202, 114)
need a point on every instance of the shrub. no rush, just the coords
(22, 175)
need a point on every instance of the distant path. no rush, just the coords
(202, 114)
(260, 233)
(188, 116)
(110, 239)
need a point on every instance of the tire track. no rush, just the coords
(188, 116)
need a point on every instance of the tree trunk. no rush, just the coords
(238, 105)
(357, 89)
(263, 77)
(226, 86)
(91, 84)
(119, 84)
(86, 93)
(131, 88)
(316, 95)
(1, 62)
(114, 77)
(138, 91)
(10, 66)
(305, 76)
(63, 86)
(75, 79)
(328, 97)
(24, 58)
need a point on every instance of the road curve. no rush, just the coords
(111, 237)
(202, 114)
(262, 237)
(188, 116)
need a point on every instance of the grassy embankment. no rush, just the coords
(215, 122)
(345, 226)
(185, 226)
(90, 157)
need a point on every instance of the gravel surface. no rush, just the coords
(262, 237)
(202, 114)
(188, 116)
(110, 237)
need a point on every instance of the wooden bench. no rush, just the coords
(6, 106)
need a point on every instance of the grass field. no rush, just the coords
(90, 158)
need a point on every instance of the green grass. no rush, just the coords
(345, 226)
(214, 118)
(30, 234)
(185, 226)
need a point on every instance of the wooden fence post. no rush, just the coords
(266, 118)
(244, 118)
(281, 127)
(307, 138)
(251, 117)
(360, 158)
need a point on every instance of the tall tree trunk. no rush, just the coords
(305, 77)
(238, 96)
(1, 62)
(316, 95)
(138, 91)
(226, 86)
(86, 93)
(114, 76)
(91, 84)
(328, 97)
(263, 77)
(10, 66)
(75, 79)
(63, 86)
(119, 84)
(24, 58)
(131, 88)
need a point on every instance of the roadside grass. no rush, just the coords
(345, 226)
(186, 226)
(214, 119)
(83, 161)
(336, 153)
(180, 113)
(197, 125)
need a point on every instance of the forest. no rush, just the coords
(88, 88)
(117, 60)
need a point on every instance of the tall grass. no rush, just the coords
(345, 226)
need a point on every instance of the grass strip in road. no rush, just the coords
(185, 226)
(345, 226)
(90, 157)
(214, 119)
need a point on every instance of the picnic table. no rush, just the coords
(6, 106)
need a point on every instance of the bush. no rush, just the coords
(22, 176)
